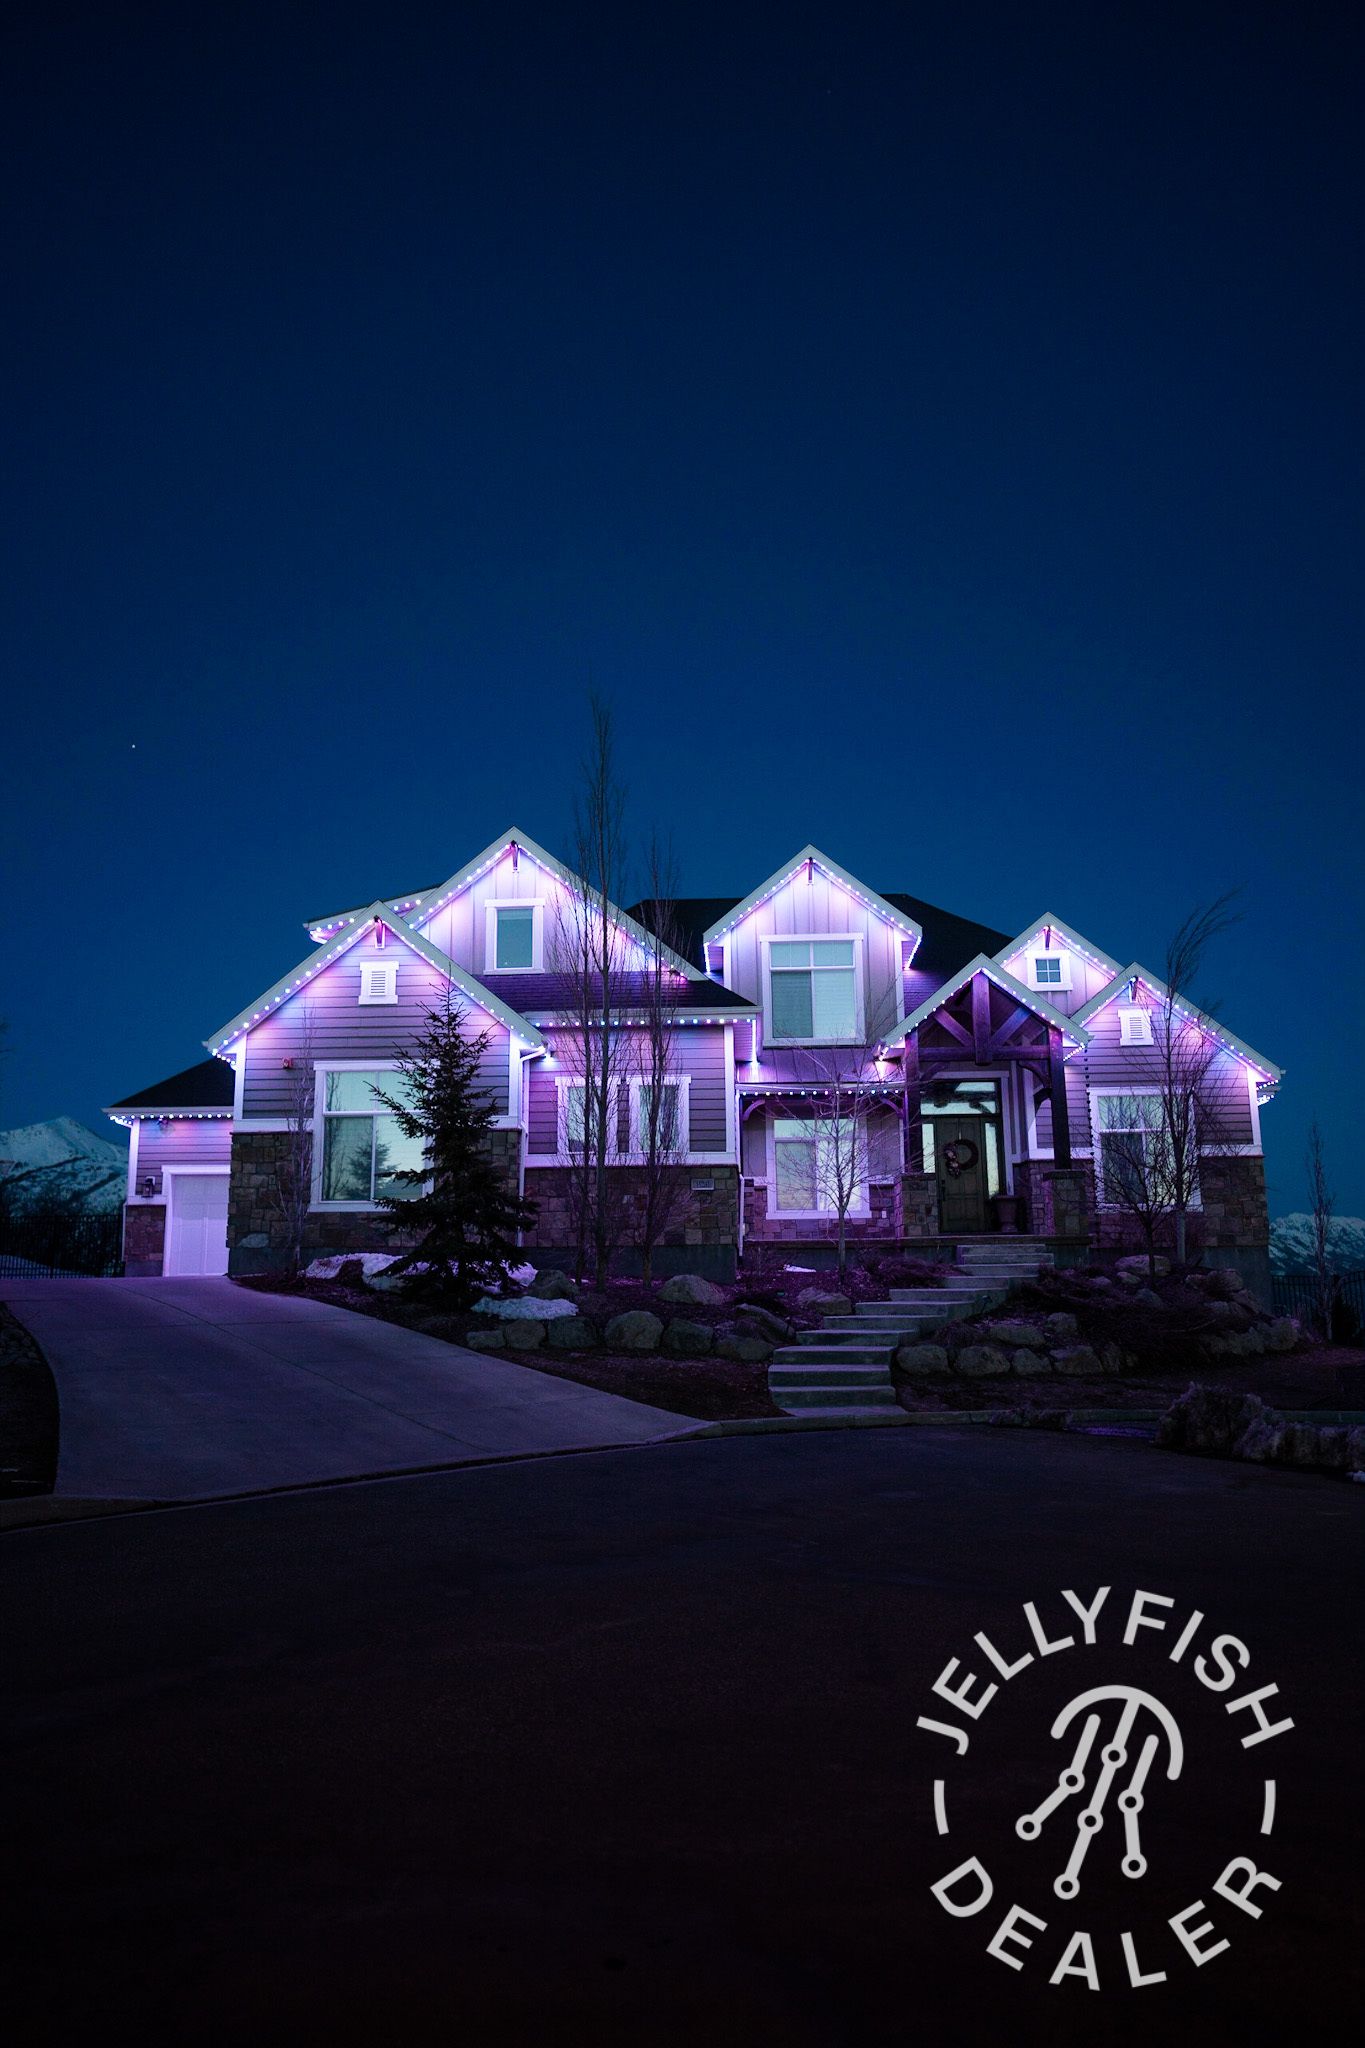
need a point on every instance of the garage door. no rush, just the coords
(197, 1232)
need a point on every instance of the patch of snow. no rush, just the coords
(61, 1161)
(798, 1269)
(369, 1262)
(1291, 1244)
(525, 1309)
(523, 1275)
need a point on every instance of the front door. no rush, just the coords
(960, 1166)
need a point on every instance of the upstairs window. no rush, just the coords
(813, 992)
(1135, 1025)
(362, 1144)
(514, 942)
(379, 981)
(1049, 969)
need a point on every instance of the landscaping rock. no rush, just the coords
(923, 1361)
(1111, 1358)
(1100, 1283)
(1077, 1361)
(1018, 1333)
(572, 1333)
(553, 1286)
(1060, 1326)
(1208, 1419)
(636, 1330)
(692, 1287)
(525, 1334)
(1139, 1263)
(981, 1361)
(1282, 1334)
(826, 1304)
(1236, 1344)
(682, 1339)
(754, 1321)
(1147, 1297)
(1027, 1363)
(486, 1340)
(743, 1349)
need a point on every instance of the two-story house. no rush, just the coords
(840, 1060)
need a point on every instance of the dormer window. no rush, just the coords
(1049, 969)
(379, 981)
(1135, 1025)
(814, 995)
(515, 938)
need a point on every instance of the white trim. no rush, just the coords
(380, 974)
(1062, 955)
(869, 898)
(858, 941)
(169, 1175)
(683, 1083)
(1134, 1014)
(536, 906)
(1229, 1040)
(1073, 940)
(1098, 1088)
(132, 1194)
(731, 1098)
(1255, 1150)
(855, 1208)
(321, 1069)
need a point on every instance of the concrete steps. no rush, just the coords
(845, 1366)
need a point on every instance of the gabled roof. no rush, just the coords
(201, 1090)
(1071, 1032)
(948, 939)
(426, 902)
(1072, 940)
(356, 928)
(727, 921)
(1229, 1040)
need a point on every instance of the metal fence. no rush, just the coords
(53, 1247)
(1296, 1294)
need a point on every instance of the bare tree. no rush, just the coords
(1320, 1193)
(660, 1139)
(588, 954)
(289, 1193)
(1151, 1140)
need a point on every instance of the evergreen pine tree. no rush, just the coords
(465, 1217)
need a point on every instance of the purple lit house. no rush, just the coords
(991, 1083)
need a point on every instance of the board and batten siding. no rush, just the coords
(344, 1028)
(820, 907)
(1087, 979)
(698, 1052)
(459, 929)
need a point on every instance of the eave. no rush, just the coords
(1074, 1035)
(1265, 1069)
(1073, 941)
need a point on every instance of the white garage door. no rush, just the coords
(197, 1228)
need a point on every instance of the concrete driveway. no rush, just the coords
(182, 1389)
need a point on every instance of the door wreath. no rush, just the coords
(959, 1156)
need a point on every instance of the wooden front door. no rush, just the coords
(960, 1166)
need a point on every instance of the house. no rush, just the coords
(842, 1063)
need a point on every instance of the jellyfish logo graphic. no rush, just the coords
(1113, 1757)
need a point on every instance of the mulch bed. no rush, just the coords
(29, 1418)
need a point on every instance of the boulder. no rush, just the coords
(742, 1348)
(552, 1285)
(1138, 1262)
(525, 1334)
(692, 1287)
(486, 1340)
(1236, 1344)
(1147, 1297)
(1282, 1334)
(754, 1321)
(572, 1333)
(1060, 1326)
(816, 1299)
(682, 1339)
(981, 1361)
(1027, 1363)
(1077, 1361)
(1100, 1282)
(1111, 1358)
(636, 1330)
(1209, 1419)
(923, 1361)
(1018, 1333)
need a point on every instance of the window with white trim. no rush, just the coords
(1049, 969)
(1129, 1130)
(1135, 1025)
(379, 981)
(514, 942)
(578, 1106)
(815, 1159)
(672, 1124)
(363, 1145)
(814, 997)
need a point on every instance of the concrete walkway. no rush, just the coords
(179, 1389)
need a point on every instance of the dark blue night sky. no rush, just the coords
(938, 429)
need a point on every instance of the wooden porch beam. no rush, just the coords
(981, 1019)
(1061, 1117)
(914, 1115)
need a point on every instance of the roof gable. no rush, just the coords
(358, 924)
(1072, 1033)
(869, 898)
(1072, 939)
(1135, 972)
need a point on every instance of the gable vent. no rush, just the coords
(379, 984)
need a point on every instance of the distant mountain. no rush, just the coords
(60, 1162)
(1291, 1244)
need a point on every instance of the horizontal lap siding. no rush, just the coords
(698, 1051)
(1111, 1065)
(343, 1028)
(187, 1142)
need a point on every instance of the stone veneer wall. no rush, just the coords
(761, 1226)
(144, 1240)
(701, 1234)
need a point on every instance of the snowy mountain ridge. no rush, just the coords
(1291, 1244)
(60, 1161)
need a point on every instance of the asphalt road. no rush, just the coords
(623, 1747)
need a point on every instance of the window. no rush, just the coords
(577, 1121)
(1130, 1129)
(672, 1128)
(1135, 1026)
(814, 1159)
(514, 942)
(379, 982)
(362, 1145)
(813, 991)
(1049, 969)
